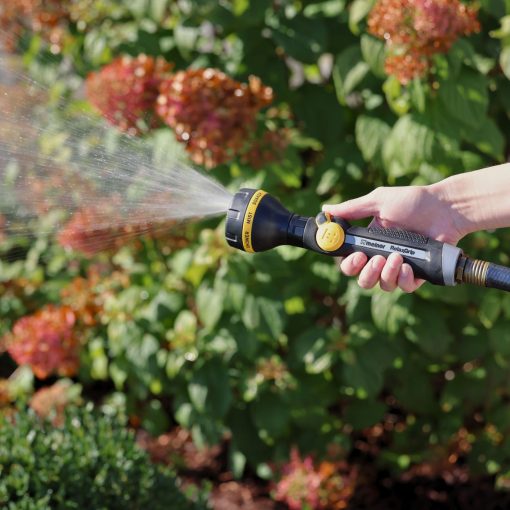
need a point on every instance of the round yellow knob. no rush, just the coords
(330, 236)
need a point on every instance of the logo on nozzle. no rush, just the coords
(248, 219)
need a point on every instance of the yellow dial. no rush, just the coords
(330, 235)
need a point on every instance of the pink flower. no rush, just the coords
(46, 341)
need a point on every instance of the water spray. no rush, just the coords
(256, 221)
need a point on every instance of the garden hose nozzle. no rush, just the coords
(256, 221)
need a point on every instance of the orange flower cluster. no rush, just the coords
(416, 30)
(46, 341)
(211, 113)
(52, 399)
(126, 90)
(42, 16)
(214, 115)
(327, 486)
(86, 232)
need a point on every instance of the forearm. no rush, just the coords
(479, 200)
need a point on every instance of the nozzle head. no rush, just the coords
(256, 221)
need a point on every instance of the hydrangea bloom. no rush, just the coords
(211, 113)
(46, 341)
(415, 30)
(125, 91)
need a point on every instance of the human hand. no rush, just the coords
(421, 209)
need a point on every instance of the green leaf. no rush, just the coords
(371, 133)
(487, 137)
(272, 313)
(504, 61)
(270, 415)
(466, 97)
(209, 306)
(374, 53)
(311, 349)
(364, 413)
(390, 310)
(348, 72)
(358, 11)
(409, 144)
(428, 329)
(364, 367)
(499, 338)
(301, 38)
(209, 389)
(490, 308)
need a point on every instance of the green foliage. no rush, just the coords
(90, 461)
(277, 348)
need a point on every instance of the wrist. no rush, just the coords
(460, 204)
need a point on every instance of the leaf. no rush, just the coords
(499, 338)
(364, 367)
(409, 144)
(466, 97)
(311, 349)
(301, 38)
(417, 396)
(371, 133)
(348, 72)
(504, 61)
(209, 306)
(390, 310)
(364, 413)
(490, 308)
(270, 415)
(429, 330)
(487, 137)
(272, 313)
(358, 11)
(209, 389)
(374, 53)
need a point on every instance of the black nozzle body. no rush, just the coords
(256, 221)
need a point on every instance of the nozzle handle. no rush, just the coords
(431, 260)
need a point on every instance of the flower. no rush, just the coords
(415, 30)
(125, 91)
(53, 399)
(46, 17)
(46, 341)
(210, 112)
(300, 483)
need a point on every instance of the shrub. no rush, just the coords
(90, 461)
(277, 348)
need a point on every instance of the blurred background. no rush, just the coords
(252, 381)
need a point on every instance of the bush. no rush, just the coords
(91, 461)
(276, 348)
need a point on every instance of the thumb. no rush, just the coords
(354, 209)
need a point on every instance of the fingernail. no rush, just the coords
(394, 260)
(358, 259)
(376, 262)
(405, 271)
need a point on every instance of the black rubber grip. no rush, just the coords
(423, 254)
(397, 233)
(498, 277)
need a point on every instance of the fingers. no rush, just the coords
(389, 273)
(406, 280)
(353, 264)
(354, 209)
(371, 273)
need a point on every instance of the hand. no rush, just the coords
(421, 209)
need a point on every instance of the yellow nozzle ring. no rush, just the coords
(249, 215)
